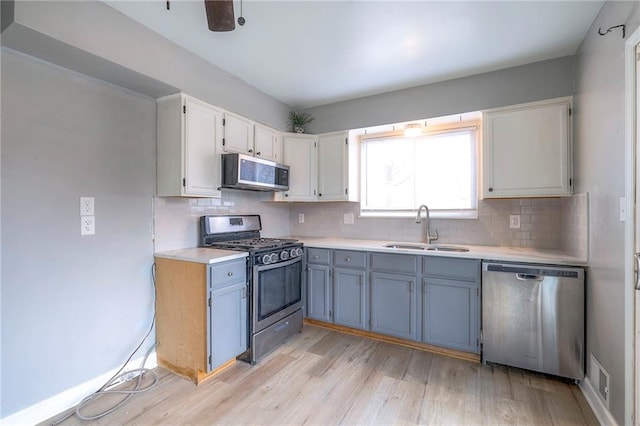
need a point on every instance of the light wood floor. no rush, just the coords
(323, 377)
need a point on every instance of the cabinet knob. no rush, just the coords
(320, 195)
(258, 153)
(229, 274)
(490, 189)
(316, 256)
(250, 151)
(348, 259)
(286, 195)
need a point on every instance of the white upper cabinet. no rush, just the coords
(246, 137)
(188, 132)
(333, 166)
(267, 143)
(238, 134)
(527, 150)
(301, 155)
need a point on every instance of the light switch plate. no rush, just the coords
(514, 221)
(348, 218)
(300, 217)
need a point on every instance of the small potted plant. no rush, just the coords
(298, 120)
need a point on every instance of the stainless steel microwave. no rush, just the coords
(241, 171)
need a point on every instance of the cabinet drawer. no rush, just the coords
(320, 256)
(464, 269)
(350, 259)
(394, 263)
(228, 272)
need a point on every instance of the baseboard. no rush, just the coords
(599, 409)
(63, 401)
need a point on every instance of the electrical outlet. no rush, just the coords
(348, 218)
(87, 206)
(514, 221)
(87, 225)
(300, 217)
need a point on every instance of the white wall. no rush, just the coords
(599, 170)
(73, 307)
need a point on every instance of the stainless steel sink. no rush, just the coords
(448, 248)
(430, 247)
(407, 246)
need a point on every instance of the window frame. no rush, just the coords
(397, 132)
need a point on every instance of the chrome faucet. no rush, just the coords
(426, 224)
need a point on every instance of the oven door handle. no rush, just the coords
(278, 265)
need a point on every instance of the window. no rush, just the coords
(438, 169)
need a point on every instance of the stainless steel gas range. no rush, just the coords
(274, 279)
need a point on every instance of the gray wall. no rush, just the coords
(73, 307)
(599, 170)
(95, 39)
(527, 83)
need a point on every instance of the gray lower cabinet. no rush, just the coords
(394, 305)
(350, 297)
(318, 291)
(450, 303)
(228, 311)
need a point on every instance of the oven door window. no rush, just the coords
(278, 289)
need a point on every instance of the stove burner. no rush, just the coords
(254, 243)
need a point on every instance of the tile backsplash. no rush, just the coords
(545, 223)
(176, 220)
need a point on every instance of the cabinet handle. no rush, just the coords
(490, 189)
(229, 274)
(244, 293)
(411, 286)
(316, 256)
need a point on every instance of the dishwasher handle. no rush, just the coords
(529, 277)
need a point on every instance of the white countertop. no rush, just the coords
(202, 255)
(506, 254)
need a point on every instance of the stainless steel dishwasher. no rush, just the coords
(533, 317)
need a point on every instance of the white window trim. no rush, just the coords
(437, 214)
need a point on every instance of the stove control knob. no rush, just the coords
(273, 257)
(266, 259)
(284, 255)
(296, 252)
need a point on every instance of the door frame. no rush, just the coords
(632, 309)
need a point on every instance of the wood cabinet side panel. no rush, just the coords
(181, 316)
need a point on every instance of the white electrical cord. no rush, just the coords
(119, 374)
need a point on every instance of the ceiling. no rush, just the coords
(314, 52)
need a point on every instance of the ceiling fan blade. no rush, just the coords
(220, 15)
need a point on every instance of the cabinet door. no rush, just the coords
(267, 143)
(238, 134)
(300, 154)
(450, 316)
(228, 323)
(349, 298)
(394, 305)
(202, 129)
(318, 293)
(332, 166)
(527, 150)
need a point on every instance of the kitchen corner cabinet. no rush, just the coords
(527, 150)
(323, 167)
(451, 303)
(201, 315)
(188, 132)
